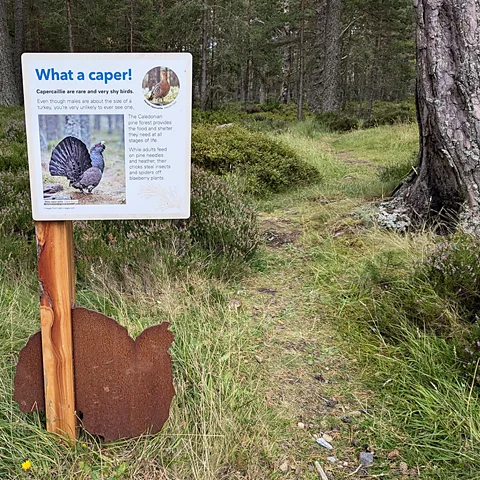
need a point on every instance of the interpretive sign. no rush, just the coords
(108, 134)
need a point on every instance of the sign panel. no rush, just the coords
(109, 134)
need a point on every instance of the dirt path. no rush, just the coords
(311, 384)
(346, 157)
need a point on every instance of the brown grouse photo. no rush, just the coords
(160, 87)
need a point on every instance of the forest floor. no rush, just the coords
(268, 364)
(313, 379)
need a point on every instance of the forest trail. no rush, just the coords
(311, 379)
(310, 382)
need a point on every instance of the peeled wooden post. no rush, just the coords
(57, 283)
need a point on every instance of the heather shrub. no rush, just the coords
(15, 207)
(453, 271)
(337, 121)
(389, 113)
(13, 150)
(221, 227)
(221, 222)
(269, 165)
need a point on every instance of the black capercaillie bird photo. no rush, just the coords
(71, 159)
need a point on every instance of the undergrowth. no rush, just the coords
(267, 164)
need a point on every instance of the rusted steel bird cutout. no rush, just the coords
(123, 387)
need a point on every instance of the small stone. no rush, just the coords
(284, 467)
(300, 425)
(258, 359)
(403, 468)
(324, 443)
(331, 459)
(366, 459)
(327, 437)
(234, 304)
(331, 403)
(345, 464)
(393, 454)
(346, 419)
(298, 471)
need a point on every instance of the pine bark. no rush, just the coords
(8, 86)
(68, 8)
(19, 44)
(203, 75)
(447, 179)
(331, 68)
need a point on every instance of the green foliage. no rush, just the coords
(221, 220)
(353, 117)
(453, 271)
(222, 228)
(390, 113)
(13, 152)
(336, 121)
(221, 232)
(269, 165)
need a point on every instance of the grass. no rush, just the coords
(217, 415)
(267, 361)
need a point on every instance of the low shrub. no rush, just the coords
(337, 121)
(269, 165)
(221, 228)
(221, 221)
(390, 113)
(394, 174)
(453, 271)
(13, 150)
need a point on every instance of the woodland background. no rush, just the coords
(296, 314)
(325, 53)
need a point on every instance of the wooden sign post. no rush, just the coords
(120, 150)
(57, 283)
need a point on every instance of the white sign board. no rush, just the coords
(108, 134)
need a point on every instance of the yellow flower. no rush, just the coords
(26, 465)
(84, 445)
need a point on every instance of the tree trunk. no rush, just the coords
(287, 72)
(8, 87)
(301, 63)
(315, 92)
(19, 45)
(331, 66)
(69, 25)
(203, 81)
(72, 126)
(447, 180)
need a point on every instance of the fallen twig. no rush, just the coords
(321, 471)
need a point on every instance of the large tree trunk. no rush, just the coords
(301, 54)
(19, 44)
(324, 94)
(8, 87)
(447, 180)
(331, 66)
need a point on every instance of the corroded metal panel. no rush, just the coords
(123, 387)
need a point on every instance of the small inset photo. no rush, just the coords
(83, 159)
(160, 87)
